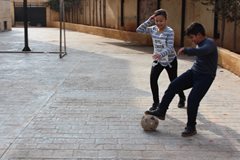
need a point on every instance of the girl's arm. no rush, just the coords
(144, 27)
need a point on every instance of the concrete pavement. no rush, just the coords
(89, 104)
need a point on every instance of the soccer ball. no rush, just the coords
(149, 123)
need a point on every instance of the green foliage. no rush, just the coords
(235, 12)
(54, 4)
(226, 9)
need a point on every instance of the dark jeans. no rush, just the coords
(200, 83)
(155, 73)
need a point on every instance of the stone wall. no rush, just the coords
(5, 15)
(229, 60)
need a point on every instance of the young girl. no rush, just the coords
(164, 55)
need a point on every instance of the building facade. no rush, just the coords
(126, 15)
(5, 15)
(123, 15)
(36, 12)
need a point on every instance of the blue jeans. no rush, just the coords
(200, 83)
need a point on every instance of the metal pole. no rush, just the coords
(122, 13)
(138, 12)
(158, 4)
(183, 22)
(60, 16)
(62, 49)
(216, 34)
(26, 47)
(64, 29)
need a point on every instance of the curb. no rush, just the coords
(229, 60)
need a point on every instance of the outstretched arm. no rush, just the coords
(205, 49)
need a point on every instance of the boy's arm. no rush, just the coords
(144, 27)
(207, 48)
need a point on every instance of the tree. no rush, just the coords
(54, 4)
(227, 10)
(235, 17)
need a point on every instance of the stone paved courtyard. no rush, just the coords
(89, 104)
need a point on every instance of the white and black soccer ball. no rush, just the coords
(149, 123)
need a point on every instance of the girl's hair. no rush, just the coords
(195, 28)
(161, 12)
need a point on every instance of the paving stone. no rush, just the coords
(89, 104)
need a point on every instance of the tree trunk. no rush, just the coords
(223, 31)
(235, 27)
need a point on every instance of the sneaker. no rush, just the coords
(154, 107)
(159, 113)
(189, 131)
(181, 103)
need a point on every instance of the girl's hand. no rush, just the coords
(180, 51)
(152, 17)
(156, 56)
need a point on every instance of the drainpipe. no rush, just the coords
(158, 4)
(183, 22)
(216, 34)
(26, 47)
(122, 13)
(138, 12)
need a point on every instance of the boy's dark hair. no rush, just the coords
(195, 28)
(161, 12)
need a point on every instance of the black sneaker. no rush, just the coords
(189, 131)
(154, 107)
(159, 113)
(181, 103)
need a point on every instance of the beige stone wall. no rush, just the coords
(174, 10)
(228, 37)
(196, 12)
(106, 32)
(52, 16)
(112, 13)
(5, 15)
(130, 15)
(229, 60)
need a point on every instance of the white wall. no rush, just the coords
(5, 15)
